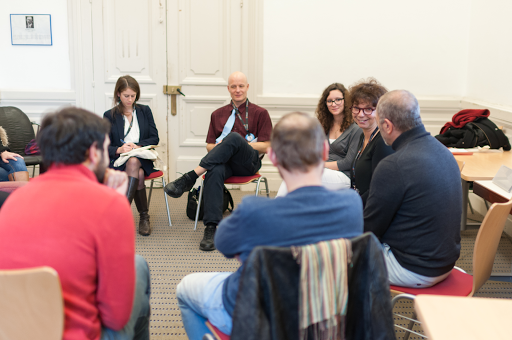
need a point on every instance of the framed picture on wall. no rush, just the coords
(31, 29)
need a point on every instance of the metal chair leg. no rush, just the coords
(166, 203)
(199, 202)
(408, 330)
(258, 186)
(150, 191)
(266, 186)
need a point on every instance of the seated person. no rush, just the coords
(415, 201)
(237, 139)
(78, 209)
(371, 148)
(308, 214)
(12, 165)
(132, 126)
(333, 112)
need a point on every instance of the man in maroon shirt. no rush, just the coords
(238, 137)
(76, 219)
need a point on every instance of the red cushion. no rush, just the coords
(456, 284)
(155, 174)
(241, 179)
(10, 186)
(218, 334)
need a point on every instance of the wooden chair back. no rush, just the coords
(31, 304)
(487, 241)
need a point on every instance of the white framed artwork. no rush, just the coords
(31, 29)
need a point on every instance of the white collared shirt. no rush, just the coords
(134, 135)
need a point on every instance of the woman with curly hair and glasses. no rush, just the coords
(371, 148)
(333, 112)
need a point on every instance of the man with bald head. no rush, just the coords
(238, 137)
(415, 201)
(308, 214)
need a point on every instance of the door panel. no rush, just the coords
(129, 37)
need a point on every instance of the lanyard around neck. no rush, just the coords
(131, 124)
(246, 123)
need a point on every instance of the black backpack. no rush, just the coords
(480, 132)
(193, 198)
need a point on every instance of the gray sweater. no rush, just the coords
(344, 149)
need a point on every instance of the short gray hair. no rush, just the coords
(401, 108)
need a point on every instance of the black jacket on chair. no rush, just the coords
(268, 297)
(147, 127)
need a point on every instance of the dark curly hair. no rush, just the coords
(325, 116)
(367, 90)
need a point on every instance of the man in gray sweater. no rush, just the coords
(415, 201)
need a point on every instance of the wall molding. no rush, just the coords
(36, 103)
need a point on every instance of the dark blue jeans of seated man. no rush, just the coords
(232, 157)
(137, 327)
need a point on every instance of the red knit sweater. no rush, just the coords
(65, 219)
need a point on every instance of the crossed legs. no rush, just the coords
(137, 191)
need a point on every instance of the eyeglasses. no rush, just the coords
(336, 101)
(366, 110)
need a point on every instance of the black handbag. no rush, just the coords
(193, 198)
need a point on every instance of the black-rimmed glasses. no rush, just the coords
(366, 110)
(336, 101)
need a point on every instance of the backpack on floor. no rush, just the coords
(193, 198)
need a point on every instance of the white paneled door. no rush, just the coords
(195, 44)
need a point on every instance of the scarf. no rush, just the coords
(323, 291)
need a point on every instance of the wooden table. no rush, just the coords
(468, 318)
(479, 166)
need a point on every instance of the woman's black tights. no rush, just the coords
(133, 169)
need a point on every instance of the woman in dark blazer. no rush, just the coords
(132, 126)
(371, 147)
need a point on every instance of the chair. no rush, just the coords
(268, 298)
(458, 283)
(156, 175)
(236, 180)
(31, 304)
(20, 132)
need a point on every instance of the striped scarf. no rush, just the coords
(323, 288)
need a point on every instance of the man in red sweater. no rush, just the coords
(75, 218)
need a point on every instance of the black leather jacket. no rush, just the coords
(268, 296)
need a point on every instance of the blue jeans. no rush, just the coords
(13, 166)
(200, 299)
(138, 325)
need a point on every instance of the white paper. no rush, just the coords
(31, 29)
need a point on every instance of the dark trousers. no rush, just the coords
(233, 157)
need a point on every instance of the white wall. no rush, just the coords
(419, 46)
(35, 67)
(490, 52)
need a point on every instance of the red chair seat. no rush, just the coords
(218, 334)
(456, 284)
(241, 179)
(154, 175)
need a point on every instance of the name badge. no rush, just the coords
(249, 137)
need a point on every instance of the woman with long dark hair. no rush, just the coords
(333, 112)
(132, 127)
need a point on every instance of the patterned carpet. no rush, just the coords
(173, 252)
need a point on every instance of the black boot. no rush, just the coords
(133, 183)
(141, 201)
(207, 243)
(176, 188)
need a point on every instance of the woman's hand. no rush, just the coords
(127, 147)
(6, 155)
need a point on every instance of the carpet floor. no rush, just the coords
(173, 252)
